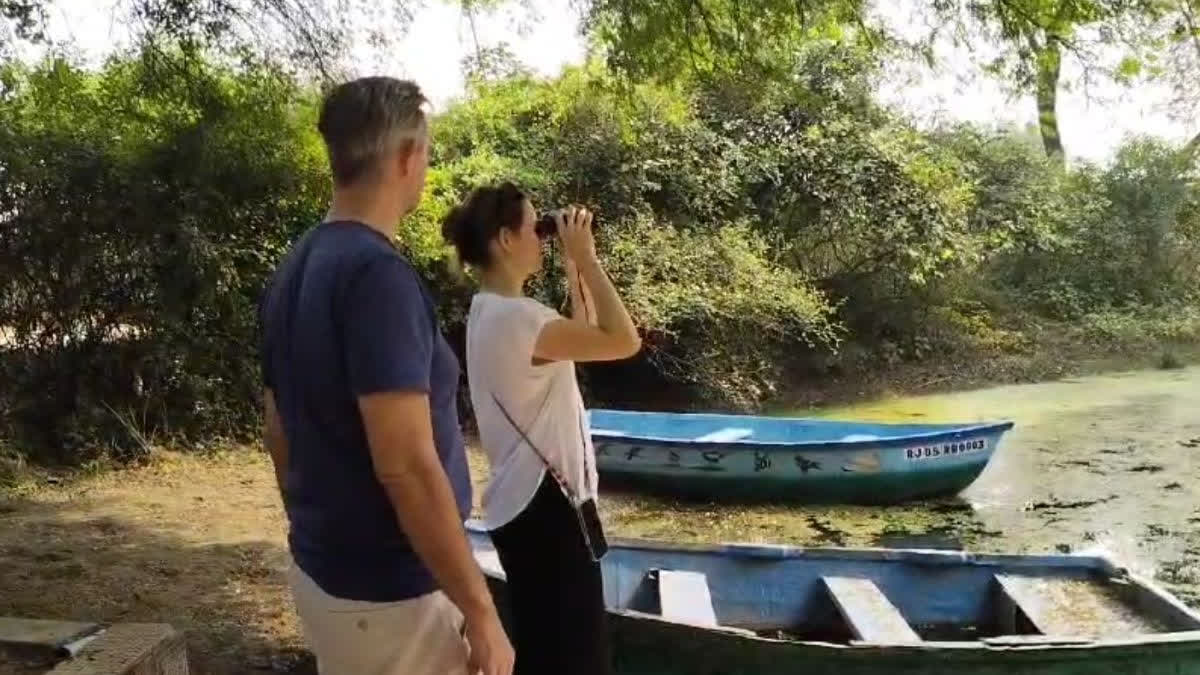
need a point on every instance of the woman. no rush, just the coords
(521, 355)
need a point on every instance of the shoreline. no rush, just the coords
(971, 372)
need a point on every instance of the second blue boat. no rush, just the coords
(789, 459)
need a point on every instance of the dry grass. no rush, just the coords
(197, 541)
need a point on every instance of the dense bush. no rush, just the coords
(141, 211)
(1077, 243)
(716, 307)
(757, 234)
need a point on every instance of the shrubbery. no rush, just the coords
(142, 208)
(757, 237)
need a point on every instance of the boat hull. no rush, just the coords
(644, 647)
(865, 472)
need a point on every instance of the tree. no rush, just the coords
(669, 39)
(27, 16)
(487, 62)
(717, 310)
(1182, 28)
(761, 38)
(137, 225)
(1036, 35)
(312, 35)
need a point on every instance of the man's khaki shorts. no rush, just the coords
(421, 636)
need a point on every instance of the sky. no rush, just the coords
(432, 49)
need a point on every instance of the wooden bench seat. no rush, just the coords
(684, 596)
(867, 611)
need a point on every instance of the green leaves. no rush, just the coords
(716, 304)
(676, 40)
(143, 214)
(1129, 69)
(755, 219)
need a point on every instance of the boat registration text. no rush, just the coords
(945, 450)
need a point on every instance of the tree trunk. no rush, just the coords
(1189, 9)
(1192, 148)
(1049, 65)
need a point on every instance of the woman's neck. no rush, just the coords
(501, 281)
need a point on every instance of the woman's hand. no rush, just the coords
(575, 233)
(611, 335)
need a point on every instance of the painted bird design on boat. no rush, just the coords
(807, 464)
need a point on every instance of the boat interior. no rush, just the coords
(883, 596)
(697, 428)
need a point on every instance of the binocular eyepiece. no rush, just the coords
(547, 225)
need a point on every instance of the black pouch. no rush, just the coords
(593, 531)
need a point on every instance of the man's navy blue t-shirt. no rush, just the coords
(346, 315)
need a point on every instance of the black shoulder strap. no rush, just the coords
(562, 483)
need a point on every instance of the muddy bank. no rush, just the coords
(1054, 355)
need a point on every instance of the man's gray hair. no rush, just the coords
(364, 119)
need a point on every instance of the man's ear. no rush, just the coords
(405, 156)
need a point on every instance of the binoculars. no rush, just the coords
(547, 223)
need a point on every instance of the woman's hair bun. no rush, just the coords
(471, 225)
(452, 225)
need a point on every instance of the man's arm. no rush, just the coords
(274, 439)
(405, 460)
(389, 341)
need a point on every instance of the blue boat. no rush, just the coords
(791, 459)
(778, 610)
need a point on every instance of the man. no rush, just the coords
(361, 417)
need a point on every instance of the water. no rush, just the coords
(1104, 464)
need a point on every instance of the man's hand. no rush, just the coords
(491, 653)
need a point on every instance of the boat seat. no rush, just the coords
(1041, 609)
(683, 596)
(868, 612)
(726, 435)
(1063, 607)
(489, 561)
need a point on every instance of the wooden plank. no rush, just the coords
(868, 612)
(1047, 616)
(1075, 607)
(130, 649)
(684, 596)
(35, 633)
(489, 562)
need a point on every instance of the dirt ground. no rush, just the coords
(199, 542)
(194, 541)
